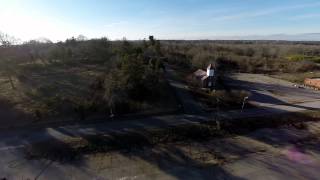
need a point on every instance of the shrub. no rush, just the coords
(229, 98)
(304, 66)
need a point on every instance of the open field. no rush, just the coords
(54, 91)
(38, 84)
(303, 58)
(78, 80)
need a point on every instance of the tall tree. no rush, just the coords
(6, 65)
(152, 40)
(6, 40)
(8, 70)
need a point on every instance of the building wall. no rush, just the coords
(312, 82)
(196, 81)
(210, 72)
(203, 83)
(206, 82)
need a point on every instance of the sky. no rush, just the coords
(165, 19)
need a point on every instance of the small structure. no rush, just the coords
(205, 79)
(312, 82)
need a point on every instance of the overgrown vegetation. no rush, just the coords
(79, 78)
(245, 56)
(221, 99)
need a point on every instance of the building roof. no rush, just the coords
(210, 66)
(204, 77)
(200, 73)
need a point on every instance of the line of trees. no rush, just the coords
(245, 56)
(7, 67)
(7, 40)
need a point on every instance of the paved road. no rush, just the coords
(268, 91)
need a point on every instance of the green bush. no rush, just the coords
(229, 98)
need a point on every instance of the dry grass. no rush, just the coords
(56, 91)
(47, 88)
(222, 99)
(296, 77)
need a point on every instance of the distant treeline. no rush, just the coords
(245, 56)
(247, 42)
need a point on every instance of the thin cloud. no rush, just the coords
(264, 12)
(116, 24)
(305, 16)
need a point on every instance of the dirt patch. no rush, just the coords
(296, 77)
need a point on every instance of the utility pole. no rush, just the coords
(217, 113)
(244, 102)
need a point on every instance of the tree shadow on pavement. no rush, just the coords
(194, 151)
(10, 116)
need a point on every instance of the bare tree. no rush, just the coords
(7, 65)
(113, 93)
(81, 38)
(7, 68)
(6, 40)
